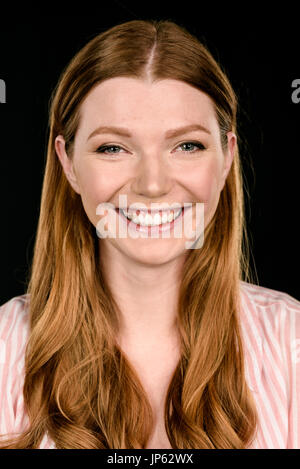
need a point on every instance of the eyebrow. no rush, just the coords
(126, 133)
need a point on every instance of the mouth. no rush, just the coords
(149, 222)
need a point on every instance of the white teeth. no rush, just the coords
(149, 220)
(164, 218)
(170, 217)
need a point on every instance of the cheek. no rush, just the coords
(96, 186)
(204, 182)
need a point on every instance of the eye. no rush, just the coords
(192, 147)
(105, 148)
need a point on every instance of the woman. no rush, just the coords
(143, 340)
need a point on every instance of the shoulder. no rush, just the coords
(272, 314)
(14, 326)
(14, 329)
(13, 313)
(267, 297)
(270, 321)
(268, 306)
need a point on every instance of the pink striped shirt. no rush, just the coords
(270, 323)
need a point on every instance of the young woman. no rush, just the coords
(144, 340)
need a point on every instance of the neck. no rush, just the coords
(147, 296)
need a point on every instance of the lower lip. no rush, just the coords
(155, 228)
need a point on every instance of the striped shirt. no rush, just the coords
(270, 326)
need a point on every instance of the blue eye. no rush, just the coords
(104, 148)
(197, 145)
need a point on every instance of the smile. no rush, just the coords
(146, 219)
(145, 222)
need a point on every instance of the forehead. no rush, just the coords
(136, 102)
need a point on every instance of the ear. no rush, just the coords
(228, 156)
(66, 162)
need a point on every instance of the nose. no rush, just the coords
(153, 178)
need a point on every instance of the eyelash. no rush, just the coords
(198, 145)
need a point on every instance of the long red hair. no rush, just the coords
(79, 388)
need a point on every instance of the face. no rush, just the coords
(147, 163)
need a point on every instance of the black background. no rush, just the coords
(258, 49)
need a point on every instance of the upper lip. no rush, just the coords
(149, 210)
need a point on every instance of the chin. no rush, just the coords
(159, 252)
